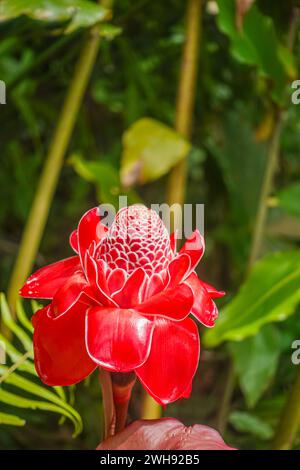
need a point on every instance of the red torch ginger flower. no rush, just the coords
(123, 303)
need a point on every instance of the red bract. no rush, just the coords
(123, 303)
(165, 434)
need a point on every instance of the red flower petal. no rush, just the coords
(173, 360)
(188, 391)
(165, 434)
(69, 293)
(116, 280)
(173, 240)
(73, 240)
(175, 303)
(118, 339)
(59, 347)
(44, 283)
(178, 269)
(213, 292)
(194, 247)
(95, 273)
(131, 293)
(90, 230)
(204, 309)
(154, 285)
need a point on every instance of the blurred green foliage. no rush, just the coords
(242, 76)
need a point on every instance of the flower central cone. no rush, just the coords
(137, 238)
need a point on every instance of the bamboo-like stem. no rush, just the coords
(258, 235)
(37, 218)
(150, 408)
(226, 399)
(183, 124)
(272, 158)
(186, 96)
(290, 419)
(271, 166)
(109, 411)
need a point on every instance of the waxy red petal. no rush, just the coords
(175, 303)
(213, 292)
(173, 240)
(165, 434)
(131, 293)
(73, 240)
(204, 309)
(194, 247)
(178, 269)
(95, 273)
(173, 360)
(116, 280)
(67, 296)
(44, 283)
(59, 347)
(188, 391)
(154, 285)
(118, 339)
(90, 229)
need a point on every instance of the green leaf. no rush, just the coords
(270, 294)
(150, 150)
(255, 360)
(21, 402)
(289, 199)
(242, 161)
(11, 420)
(109, 31)
(106, 179)
(257, 44)
(40, 397)
(248, 423)
(21, 315)
(10, 323)
(76, 13)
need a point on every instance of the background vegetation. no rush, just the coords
(242, 155)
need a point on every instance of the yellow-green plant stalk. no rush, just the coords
(38, 215)
(183, 124)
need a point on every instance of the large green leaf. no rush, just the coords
(257, 44)
(11, 420)
(289, 199)
(151, 149)
(75, 13)
(255, 360)
(270, 294)
(24, 391)
(242, 161)
(248, 423)
(106, 179)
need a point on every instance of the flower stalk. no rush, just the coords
(122, 385)
(47, 184)
(186, 96)
(290, 419)
(183, 124)
(109, 411)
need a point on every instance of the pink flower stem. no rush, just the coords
(107, 403)
(122, 385)
(116, 393)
